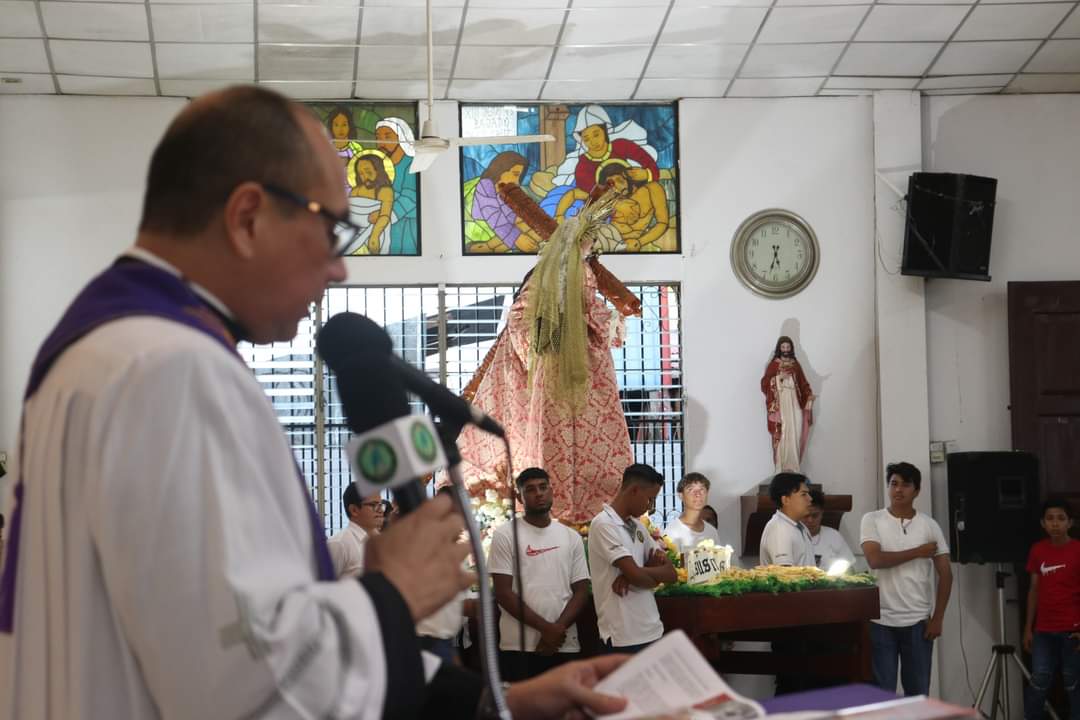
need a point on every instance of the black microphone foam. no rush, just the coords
(371, 393)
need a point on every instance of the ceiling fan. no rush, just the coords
(430, 145)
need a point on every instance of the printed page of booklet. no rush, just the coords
(671, 679)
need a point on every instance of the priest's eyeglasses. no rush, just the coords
(342, 232)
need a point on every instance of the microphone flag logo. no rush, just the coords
(423, 441)
(377, 461)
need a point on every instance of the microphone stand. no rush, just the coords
(448, 433)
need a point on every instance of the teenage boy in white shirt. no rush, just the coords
(828, 544)
(626, 564)
(552, 558)
(905, 549)
(785, 540)
(690, 528)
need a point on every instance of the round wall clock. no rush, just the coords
(775, 253)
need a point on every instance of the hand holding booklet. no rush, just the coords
(670, 680)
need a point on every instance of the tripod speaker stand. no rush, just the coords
(998, 667)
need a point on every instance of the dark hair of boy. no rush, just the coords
(907, 472)
(783, 484)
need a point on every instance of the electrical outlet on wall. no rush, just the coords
(937, 451)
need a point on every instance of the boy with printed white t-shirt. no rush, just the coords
(552, 558)
(690, 528)
(905, 549)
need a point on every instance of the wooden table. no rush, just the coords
(833, 623)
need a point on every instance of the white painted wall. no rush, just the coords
(1030, 144)
(71, 181)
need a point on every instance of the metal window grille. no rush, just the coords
(447, 331)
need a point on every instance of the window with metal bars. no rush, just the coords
(447, 330)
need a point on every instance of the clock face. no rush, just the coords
(775, 253)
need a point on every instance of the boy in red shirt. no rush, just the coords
(1052, 629)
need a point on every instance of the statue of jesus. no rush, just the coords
(788, 403)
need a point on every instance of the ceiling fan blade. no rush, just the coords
(424, 158)
(503, 140)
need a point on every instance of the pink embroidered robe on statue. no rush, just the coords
(584, 453)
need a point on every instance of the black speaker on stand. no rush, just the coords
(950, 217)
(994, 517)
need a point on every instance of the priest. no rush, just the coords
(164, 558)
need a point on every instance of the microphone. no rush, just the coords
(348, 333)
(391, 448)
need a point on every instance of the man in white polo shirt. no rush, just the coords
(552, 560)
(905, 549)
(626, 564)
(347, 546)
(785, 540)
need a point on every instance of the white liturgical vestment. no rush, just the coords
(166, 567)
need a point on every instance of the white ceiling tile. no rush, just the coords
(86, 85)
(775, 87)
(1056, 56)
(584, 63)
(887, 58)
(695, 61)
(964, 81)
(402, 62)
(492, 62)
(1014, 2)
(712, 25)
(791, 60)
(27, 84)
(906, 22)
(811, 24)
(1071, 27)
(308, 23)
(790, 3)
(19, 19)
(843, 92)
(930, 2)
(373, 89)
(620, 3)
(207, 61)
(1035, 83)
(1008, 22)
(420, 3)
(23, 55)
(305, 62)
(671, 89)
(95, 21)
(588, 91)
(407, 26)
(203, 23)
(513, 90)
(490, 26)
(963, 91)
(595, 26)
(108, 59)
(520, 4)
(192, 88)
(978, 58)
(312, 90)
(840, 82)
(681, 4)
(200, 2)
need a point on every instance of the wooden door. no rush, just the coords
(1044, 379)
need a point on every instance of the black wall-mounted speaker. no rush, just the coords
(950, 218)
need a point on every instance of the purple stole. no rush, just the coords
(129, 288)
